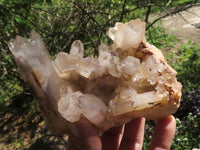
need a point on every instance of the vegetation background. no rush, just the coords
(60, 23)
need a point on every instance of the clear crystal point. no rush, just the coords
(130, 34)
(77, 49)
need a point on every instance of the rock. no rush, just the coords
(129, 79)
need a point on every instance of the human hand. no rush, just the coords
(128, 137)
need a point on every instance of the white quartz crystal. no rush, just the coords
(69, 104)
(129, 79)
(130, 65)
(112, 31)
(77, 49)
(125, 92)
(104, 56)
(86, 105)
(135, 102)
(128, 35)
(93, 108)
(65, 62)
(91, 69)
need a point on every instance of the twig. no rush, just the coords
(148, 11)
(127, 11)
(187, 20)
(88, 14)
(169, 13)
(151, 37)
(28, 9)
(71, 37)
(168, 3)
(123, 9)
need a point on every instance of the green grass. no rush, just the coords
(187, 135)
(186, 61)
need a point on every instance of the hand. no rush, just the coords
(128, 137)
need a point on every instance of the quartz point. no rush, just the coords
(129, 79)
(77, 49)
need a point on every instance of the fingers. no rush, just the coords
(86, 135)
(111, 138)
(132, 139)
(163, 134)
(133, 135)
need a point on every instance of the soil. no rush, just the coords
(23, 127)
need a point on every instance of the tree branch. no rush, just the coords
(148, 11)
(173, 11)
(123, 10)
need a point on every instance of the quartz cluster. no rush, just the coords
(128, 79)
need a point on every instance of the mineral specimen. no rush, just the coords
(129, 79)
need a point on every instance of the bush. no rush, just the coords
(186, 61)
(187, 133)
(190, 103)
(158, 36)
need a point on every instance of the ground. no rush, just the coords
(24, 128)
(185, 25)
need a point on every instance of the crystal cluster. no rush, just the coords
(129, 79)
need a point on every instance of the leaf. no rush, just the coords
(19, 20)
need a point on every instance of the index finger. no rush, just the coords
(85, 134)
(133, 135)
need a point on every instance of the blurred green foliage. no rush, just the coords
(185, 131)
(61, 22)
(186, 61)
